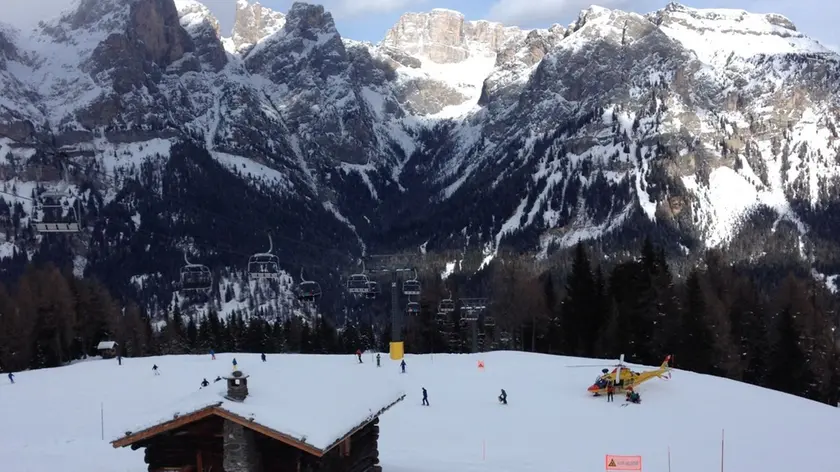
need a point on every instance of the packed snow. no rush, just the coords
(52, 417)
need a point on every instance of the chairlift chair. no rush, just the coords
(264, 265)
(308, 290)
(358, 283)
(54, 214)
(372, 290)
(412, 286)
(195, 277)
(489, 321)
(441, 318)
(413, 308)
(447, 305)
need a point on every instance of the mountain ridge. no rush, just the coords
(451, 135)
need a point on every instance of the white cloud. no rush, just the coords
(355, 8)
(529, 12)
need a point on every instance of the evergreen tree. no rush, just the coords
(696, 352)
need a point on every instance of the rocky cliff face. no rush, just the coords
(700, 127)
(252, 24)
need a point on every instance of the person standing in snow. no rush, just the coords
(234, 363)
(503, 397)
(263, 357)
(119, 360)
(402, 365)
(359, 355)
(425, 397)
(610, 391)
(212, 355)
(155, 369)
(204, 383)
(12, 377)
(377, 360)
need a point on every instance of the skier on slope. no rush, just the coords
(263, 357)
(377, 360)
(402, 365)
(155, 369)
(425, 397)
(359, 355)
(212, 355)
(204, 383)
(503, 397)
(12, 377)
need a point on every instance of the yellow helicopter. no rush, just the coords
(624, 378)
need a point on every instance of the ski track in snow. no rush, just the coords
(51, 417)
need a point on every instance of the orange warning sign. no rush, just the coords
(480, 365)
(623, 462)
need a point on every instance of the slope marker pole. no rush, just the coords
(722, 437)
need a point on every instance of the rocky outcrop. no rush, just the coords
(253, 23)
(444, 37)
(205, 31)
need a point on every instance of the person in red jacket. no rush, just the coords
(359, 355)
(610, 391)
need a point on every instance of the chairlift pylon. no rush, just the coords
(412, 286)
(358, 283)
(195, 277)
(308, 290)
(264, 265)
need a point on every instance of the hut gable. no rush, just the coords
(312, 414)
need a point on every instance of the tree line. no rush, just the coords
(776, 332)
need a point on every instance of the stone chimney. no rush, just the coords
(237, 386)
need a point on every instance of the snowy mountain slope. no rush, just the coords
(549, 422)
(684, 124)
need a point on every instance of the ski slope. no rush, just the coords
(50, 419)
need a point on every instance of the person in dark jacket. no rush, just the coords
(377, 360)
(155, 369)
(425, 397)
(263, 357)
(11, 377)
(204, 383)
(503, 397)
(402, 365)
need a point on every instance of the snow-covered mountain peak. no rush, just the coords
(252, 24)
(715, 34)
(194, 14)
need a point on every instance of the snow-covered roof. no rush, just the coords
(106, 345)
(316, 409)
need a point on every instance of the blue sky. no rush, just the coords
(368, 20)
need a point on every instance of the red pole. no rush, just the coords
(722, 436)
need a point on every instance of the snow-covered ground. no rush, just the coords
(50, 419)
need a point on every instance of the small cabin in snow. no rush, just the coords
(285, 426)
(107, 349)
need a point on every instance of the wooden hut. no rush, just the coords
(107, 349)
(234, 435)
